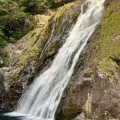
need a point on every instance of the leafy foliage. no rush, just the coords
(14, 23)
(40, 6)
(32, 6)
(17, 18)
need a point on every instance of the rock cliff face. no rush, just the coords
(34, 53)
(94, 92)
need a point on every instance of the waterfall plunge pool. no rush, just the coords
(17, 116)
(5, 117)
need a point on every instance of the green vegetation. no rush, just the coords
(38, 38)
(14, 23)
(17, 18)
(4, 57)
(31, 52)
(33, 6)
(107, 42)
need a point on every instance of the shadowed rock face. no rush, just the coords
(92, 94)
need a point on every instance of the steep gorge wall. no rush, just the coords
(95, 84)
(34, 53)
(95, 92)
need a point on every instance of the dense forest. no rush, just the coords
(17, 17)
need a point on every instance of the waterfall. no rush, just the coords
(42, 98)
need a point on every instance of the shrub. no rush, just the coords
(14, 23)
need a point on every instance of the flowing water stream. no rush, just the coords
(42, 98)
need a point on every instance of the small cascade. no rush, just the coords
(42, 98)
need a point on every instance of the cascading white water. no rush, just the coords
(44, 95)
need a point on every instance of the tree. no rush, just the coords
(33, 6)
(14, 23)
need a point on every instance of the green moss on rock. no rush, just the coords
(4, 57)
(58, 23)
(31, 52)
(14, 76)
(107, 41)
